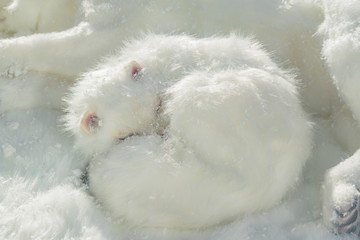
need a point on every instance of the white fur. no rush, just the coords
(165, 60)
(341, 30)
(341, 188)
(346, 129)
(22, 17)
(32, 89)
(286, 27)
(235, 140)
(341, 50)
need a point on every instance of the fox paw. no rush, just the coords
(343, 210)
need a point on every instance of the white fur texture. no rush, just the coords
(96, 27)
(346, 129)
(341, 189)
(341, 50)
(24, 91)
(128, 106)
(22, 17)
(236, 137)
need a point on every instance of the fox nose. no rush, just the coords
(90, 123)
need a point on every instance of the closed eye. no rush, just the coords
(123, 138)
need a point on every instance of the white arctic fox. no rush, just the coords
(73, 34)
(193, 132)
(341, 50)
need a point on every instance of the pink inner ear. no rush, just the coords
(135, 68)
(89, 123)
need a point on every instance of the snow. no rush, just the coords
(8, 150)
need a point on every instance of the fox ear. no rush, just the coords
(90, 123)
(135, 68)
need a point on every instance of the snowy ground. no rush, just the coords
(42, 196)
